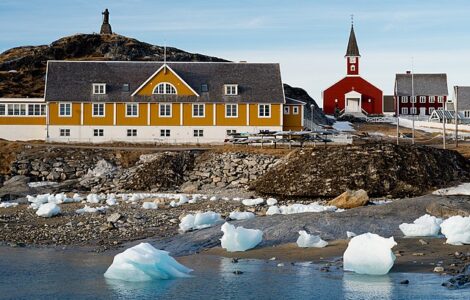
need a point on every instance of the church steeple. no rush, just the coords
(352, 53)
(106, 27)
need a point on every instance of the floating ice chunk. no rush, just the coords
(199, 221)
(236, 215)
(8, 204)
(370, 254)
(306, 240)
(302, 208)
(423, 226)
(253, 202)
(457, 230)
(273, 210)
(149, 205)
(239, 239)
(350, 234)
(48, 210)
(463, 189)
(92, 198)
(144, 263)
(271, 201)
(88, 209)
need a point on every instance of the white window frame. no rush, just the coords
(431, 109)
(165, 133)
(203, 110)
(198, 133)
(231, 89)
(404, 110)
(440, 99)
(135, 114)
(166, 86)
(3, 112)
(413, 110)
(160, 110)
(264, 115)
(69, 105)
(413, 99)
(404, 99)
(131, 132)
(93, 110)
(286, 110)
(466, 113)
(295, 110)
(64, 132)
(422, 99)
(232, 115)
(16, 109)
(432, 99)
(99, 88)
(98, 132)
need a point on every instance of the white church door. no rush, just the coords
(352, 105)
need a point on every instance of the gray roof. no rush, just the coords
(72, 81)
(353, 49)
(424, 85)
(463, 97)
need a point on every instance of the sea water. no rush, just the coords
(27, 273)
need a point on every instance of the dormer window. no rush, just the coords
(99, 88)
(165, 88)
(204, 88)
(231, 89)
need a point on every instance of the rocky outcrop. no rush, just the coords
(350, 199)
(441, 209)
(379, 169)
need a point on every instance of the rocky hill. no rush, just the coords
(22, 69)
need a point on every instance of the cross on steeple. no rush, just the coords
(352, 20)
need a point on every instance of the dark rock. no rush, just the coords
(406, 281)
(237, 272)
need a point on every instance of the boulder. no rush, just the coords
(446, 209)
(350, 199)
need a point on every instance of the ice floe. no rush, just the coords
(145, 263)
(299, 208)
(457, 230)
(423, 226)
(253, 202)
(369, 254)
(88, 209)
(199, 221)
(239, 238)
(48, 210)
(236, 215)
(306, 240)
(149, 205)
(8, 204)
(463, 189)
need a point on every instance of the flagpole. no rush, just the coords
(413, 104)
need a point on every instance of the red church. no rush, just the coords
(353, 95)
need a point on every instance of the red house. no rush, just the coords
(353, 94)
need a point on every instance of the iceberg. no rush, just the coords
(235, 215)
(253, 202)
(457, 230)
(145, 263)
(423, 226)
(149, 205)
(239, 238)
(369, 254)
(306, 240)
(48, 210)
(199, 221)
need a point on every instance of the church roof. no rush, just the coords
(353, 49)
(424, 85)
(72, 81)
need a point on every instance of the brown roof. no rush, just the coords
(353, 49)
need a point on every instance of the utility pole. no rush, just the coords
(413, 100)
(443, 127)
(397, 114)
(456, 116)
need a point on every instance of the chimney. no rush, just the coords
(408, 72)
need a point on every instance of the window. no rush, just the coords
(165, 88)
(99, 88)
(204, 88)
(295, 110)
(165, 110)
(353, 68)
(132, 110)
(2, 110)
(198, 110)
(131, 132)
(16, 109)
(126, 87)
(422, 99)
(231, 89)
(352, 60)
(164, 132)
(413, 99)
(64, 132)
(98, 109)
(231, 110)
(231, 131)
(432, 99)
(466, 113)
(404, 110)
(198, 133)
(404, 99)
(98, 132)
(431, 109)
(65, 109)
(264, 110)
(286, 110)
(440, 99)
(412, 110)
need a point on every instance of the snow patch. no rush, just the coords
(149, 205)
(369, 254)
(306, 240)
(463, 189)
(457, 230)
(253, 202)
(41, 184)
(423, 226)
(236, 215)
(88, 209)
(199, 221)
(8, 204)
(48, 210)
(239, 238)
(144, 263)
(271, 201)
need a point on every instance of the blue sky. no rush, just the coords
(308, 38)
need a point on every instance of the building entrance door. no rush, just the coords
(352, 105)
